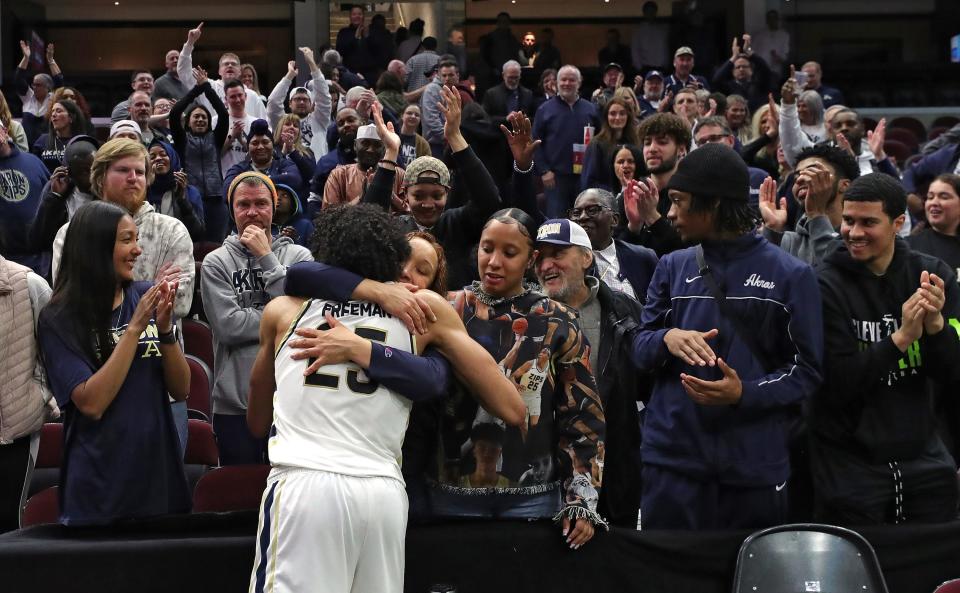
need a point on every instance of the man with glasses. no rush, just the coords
(715, 129)
(744, 74)
(140, 81)
(622, 267)
(564, 264)
(229, 70)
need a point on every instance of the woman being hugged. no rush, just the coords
(112, 357)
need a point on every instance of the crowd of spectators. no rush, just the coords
(707, 288)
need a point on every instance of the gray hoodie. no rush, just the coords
(811, 240)
(235, 287)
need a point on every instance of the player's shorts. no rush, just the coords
(322, 531)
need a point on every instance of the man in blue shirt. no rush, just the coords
(683, 73)
(561, 125)
(22, 177)
(732, 333)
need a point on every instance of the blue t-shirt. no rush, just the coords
(127, 464)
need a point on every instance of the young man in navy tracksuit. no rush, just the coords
(715, 433)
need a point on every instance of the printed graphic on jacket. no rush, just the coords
(869, 332)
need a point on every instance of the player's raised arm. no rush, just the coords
(472, 364)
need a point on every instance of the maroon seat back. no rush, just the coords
(42, 507)
(231, 488)
(201, 384)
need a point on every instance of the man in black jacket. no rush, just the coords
(427, 185)
(890, 319)
(565, 256)
(509, 95)
(623, 267)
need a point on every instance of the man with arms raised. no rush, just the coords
(335, 498)
(229, 70)
(311, 106)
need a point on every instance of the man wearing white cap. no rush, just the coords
(564, 263)
(313, 107)
(347, 183)
(126, 128)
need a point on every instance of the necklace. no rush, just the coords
(492, 301)
(123, 295)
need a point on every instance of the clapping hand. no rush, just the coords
(775, 218)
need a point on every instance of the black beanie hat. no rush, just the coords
(713, 170)
(259, 127)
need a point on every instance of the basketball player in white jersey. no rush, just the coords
(334, 514)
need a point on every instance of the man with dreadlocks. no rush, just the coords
(732, 333)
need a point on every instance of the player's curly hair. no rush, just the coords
(363, 239)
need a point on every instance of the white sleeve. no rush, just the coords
(185, 67)
(275, 102)
(321, 100)
(792, 138)
(255, 106)
(57, 252)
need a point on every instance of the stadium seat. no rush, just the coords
(202, 452)
(807, 557)
(946, 121)
(949, 587)
(201, 444)
(906, 136)
(201, 384)
(43, 507)
(909, 123)
(935, 132)
(196, 307)
(46, 472)
(231, 488)
(897, 150)
(198, 340)
(202, 248)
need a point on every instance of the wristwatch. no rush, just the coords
(168, 338)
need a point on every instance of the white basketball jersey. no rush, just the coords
(338, 420)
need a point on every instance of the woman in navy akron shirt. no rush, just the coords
(112, 356)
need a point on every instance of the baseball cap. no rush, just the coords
(654, 74)
(125, 125)
(297, 91)
(683, 51)
(612, 66)
(427, 169)
(561, 231)
(368, 132)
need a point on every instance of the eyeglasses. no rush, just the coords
(590, 211)
(711, 139)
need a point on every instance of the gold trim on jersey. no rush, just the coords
(293, 326)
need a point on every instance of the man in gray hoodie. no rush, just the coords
(237, 280)
(823, 174)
